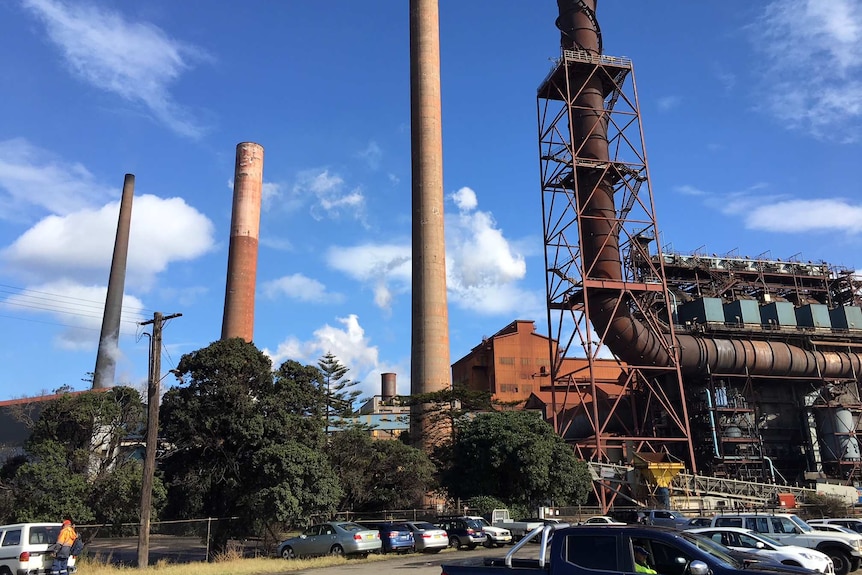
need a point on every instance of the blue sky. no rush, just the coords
(751, 110)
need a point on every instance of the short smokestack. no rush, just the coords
(388, 388)
(238, 320)
(106, 357)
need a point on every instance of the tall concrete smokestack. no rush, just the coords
(430, 370)
(238, 320)
(106, 357)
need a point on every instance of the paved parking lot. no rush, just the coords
(124, 551)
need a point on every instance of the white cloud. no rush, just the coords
(482, 267)
(688, 190)
(465, 199)
(761, 210)
(385, 267)
(80, 245)
(31, 177)
(795, 216)
(300, 287)
(348, 343)
(372, 154)
(269, 192)
(666, 103)
(727, 80)
(330, 194)
(136, 61)
(811, 55)
(78, 307)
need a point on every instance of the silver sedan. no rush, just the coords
(332, 538)
(427, 537)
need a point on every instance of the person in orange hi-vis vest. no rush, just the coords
(65, 539)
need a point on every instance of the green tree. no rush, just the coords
(116, 497)
(339, 396)
(75, 447)
(516, 457)
(379, 474)
(247, 442)
(443, 410)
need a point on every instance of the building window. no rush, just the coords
(525, 361)
(508, 388)
(507, 361)
(542, 361)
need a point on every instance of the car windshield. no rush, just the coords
(473, 524)
(711, 547)
(806, 528)
(483, 522)
(352, 527)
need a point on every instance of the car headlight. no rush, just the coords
(859, 544)
(808, 556)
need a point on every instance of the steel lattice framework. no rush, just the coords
(649, 412)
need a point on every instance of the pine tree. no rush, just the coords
(339, 394)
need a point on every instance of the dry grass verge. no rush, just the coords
(229, 564)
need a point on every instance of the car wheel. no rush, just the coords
(288, 553)
(337, 550)
(488, 543)
(840, 560)
(471, 546)
(454, 542)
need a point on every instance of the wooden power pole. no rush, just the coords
(154, 380)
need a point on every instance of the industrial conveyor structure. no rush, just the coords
(738, 368)
(587, 108)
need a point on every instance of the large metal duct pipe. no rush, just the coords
(106, 357)
(430, 369)
(238, 319)
(629, 339)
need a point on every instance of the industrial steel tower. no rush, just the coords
(106, 357)
(430, 370)
(244, 231)
(598, 211)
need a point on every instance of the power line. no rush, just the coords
(25, 292)
(64, 304)
(78, 326)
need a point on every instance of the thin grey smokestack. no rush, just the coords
(106, 359)
(238, 319)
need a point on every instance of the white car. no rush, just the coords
(852, 523)
(25, 547)
(601, 520)
(741, 539)
(498, 536)
(830, 527)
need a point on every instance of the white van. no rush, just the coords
(24, 548)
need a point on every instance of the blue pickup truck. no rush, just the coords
(609, 550)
